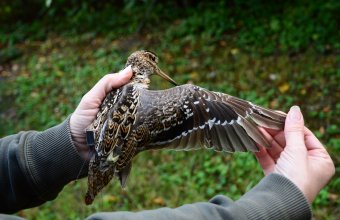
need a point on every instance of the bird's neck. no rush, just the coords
(140, 81)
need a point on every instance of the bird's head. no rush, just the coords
(144, 64)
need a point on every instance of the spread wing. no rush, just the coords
(189, 117)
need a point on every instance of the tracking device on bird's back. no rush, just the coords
(90, 138)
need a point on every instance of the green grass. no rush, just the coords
(241, 50)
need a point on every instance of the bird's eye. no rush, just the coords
(152, 56)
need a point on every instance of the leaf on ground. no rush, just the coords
(284, 87)
(110, 198)
(158, 201)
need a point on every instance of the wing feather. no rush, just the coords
(197, 117)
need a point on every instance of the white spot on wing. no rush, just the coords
(211, 122)
(238, 119)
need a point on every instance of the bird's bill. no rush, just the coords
(166, 77)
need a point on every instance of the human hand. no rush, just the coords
(298, 155)
(89, 105)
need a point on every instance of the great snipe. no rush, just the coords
(134, 119)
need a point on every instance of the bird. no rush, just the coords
(133, 119)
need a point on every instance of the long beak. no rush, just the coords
(166, 77)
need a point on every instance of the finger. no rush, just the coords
(280, 139)
(294, 129)
(311, 141)
(111, 81)
(277, 135)
(122, 78)
(272, 132)
(107, 83)
(265, 160)
(275, 148)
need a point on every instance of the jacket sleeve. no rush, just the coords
(275, 197)
(35, 166)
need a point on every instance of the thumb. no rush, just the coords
(294, 128)
(107, 83)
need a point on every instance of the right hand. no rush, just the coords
(298, 155)
(89, 105)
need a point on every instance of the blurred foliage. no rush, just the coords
(274, 53)
(266, 27)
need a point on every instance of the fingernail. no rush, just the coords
(295, 113)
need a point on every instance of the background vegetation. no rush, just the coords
(274, 53)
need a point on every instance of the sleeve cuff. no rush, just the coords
(275, 197)
(53, 161)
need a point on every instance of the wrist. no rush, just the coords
(82, 149)
(78, 139)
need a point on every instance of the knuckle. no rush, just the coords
(272, 142)
(331, 167)
(106, 78)
(294, 129)
(297, 148)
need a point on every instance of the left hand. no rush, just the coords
(298, 155)
(89, 105)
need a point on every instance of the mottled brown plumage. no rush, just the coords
(134, 119)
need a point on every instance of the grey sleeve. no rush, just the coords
(35, 166)
(275, 197)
